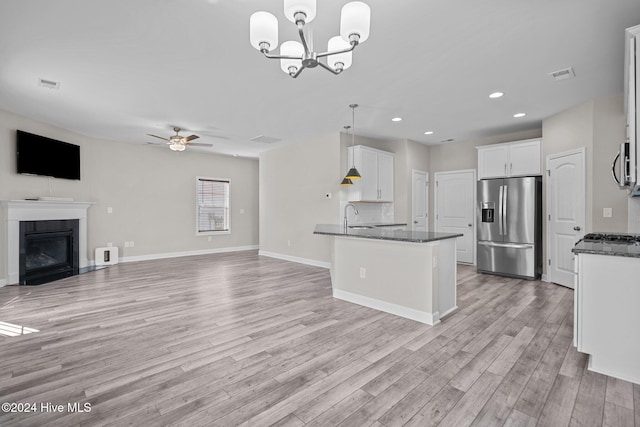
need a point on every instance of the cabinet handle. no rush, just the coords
(511, 168)
(505, 168)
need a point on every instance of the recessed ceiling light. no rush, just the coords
(496, 95)
(519, 115)
(429, 132)
(396, 119)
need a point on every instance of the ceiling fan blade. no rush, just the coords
(192, 137)
(156, 143)
(156, 136)
(199, 144)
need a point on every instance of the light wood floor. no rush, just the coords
(236, 338)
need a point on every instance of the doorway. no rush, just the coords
(566, 208)
(455, 201)
(419, 201)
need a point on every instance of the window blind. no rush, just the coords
(213, 205)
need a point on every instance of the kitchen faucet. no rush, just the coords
(355, 210)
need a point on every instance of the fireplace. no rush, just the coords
(49, 250)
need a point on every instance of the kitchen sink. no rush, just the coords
(360, 227)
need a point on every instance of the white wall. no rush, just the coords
(150, 188)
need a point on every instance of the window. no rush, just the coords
(212, 198)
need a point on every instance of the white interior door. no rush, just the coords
(455, 200)
(566, 191)
(419, 201)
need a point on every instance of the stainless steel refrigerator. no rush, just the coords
(509, 214)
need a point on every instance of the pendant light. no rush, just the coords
(346, 181)
(353, 172)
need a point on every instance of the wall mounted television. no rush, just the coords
(39, 155)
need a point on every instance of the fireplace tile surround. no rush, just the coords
(37, 210)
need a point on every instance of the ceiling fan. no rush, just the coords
(179, 143)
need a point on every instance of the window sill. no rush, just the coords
(212, 233)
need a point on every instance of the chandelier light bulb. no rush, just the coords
(337, 43)
(263, 31)
(292, 7)
(291, 48)
(355, 20)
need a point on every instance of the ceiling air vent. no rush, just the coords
(567, 73)
(447, 140)
(265, 139)
(49, 84)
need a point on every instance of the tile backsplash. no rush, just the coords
(368, 213)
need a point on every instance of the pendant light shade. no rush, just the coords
(335, 44)
(353, 174)
(346, 182)
(263, 31)
(291, 48)
(308, 7)
(355, 19)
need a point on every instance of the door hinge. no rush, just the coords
(437, 182)
(549, 217)
(549, 261)
(549, 172)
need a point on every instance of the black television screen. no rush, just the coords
(38, 155)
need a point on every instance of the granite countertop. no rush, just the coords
(381, 224)
(380, 233)
(607, 248)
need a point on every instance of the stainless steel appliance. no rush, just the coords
(509, 214)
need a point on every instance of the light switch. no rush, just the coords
(607, 212)
(109, 209)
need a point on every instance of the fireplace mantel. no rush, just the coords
(38, 210)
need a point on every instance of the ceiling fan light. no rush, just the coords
(177, 146)
(355, 19)
(338, 43)
(353, 173)
(263, 31)
(308, 7)
(291, 48)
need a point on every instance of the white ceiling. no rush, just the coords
(128, 68)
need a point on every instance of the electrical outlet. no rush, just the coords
(209, 238)
(131, 244)
(363, 273)
(241, 211)
(288, 242)
(607, 212)
(109, 244)
(109, 210)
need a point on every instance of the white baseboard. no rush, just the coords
(3, 282)
(387, 307)
(545, 278)
(185, 253)
(312, 262)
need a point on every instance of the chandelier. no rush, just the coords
(296, 56)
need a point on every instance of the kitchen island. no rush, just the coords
(607, 291)
(411, 274)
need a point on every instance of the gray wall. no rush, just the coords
(150, 188)
(293, 182)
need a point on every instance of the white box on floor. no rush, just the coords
(106, 256)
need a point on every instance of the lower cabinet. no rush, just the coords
(607, 295)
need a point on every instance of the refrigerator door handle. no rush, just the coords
(500, 213)
(507, 245)
(504, 209)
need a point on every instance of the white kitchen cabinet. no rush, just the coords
(519, 158)
(606, 314)
(376, 169)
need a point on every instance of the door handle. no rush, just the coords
(470, 225)
(415, 222)
(577, 228)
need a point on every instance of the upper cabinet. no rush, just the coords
(519, 158)
(376, 169)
